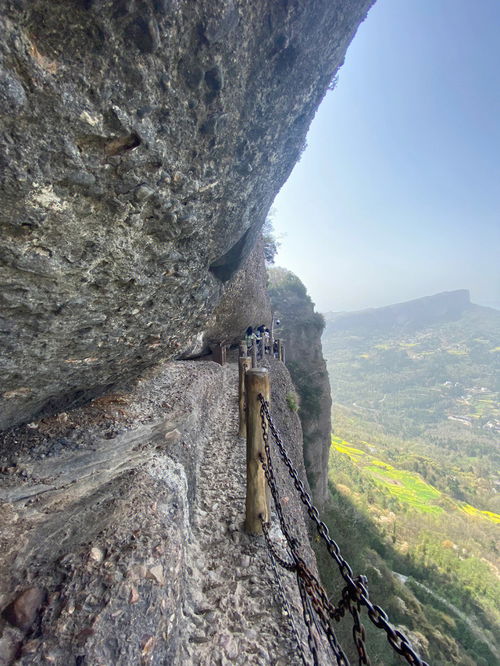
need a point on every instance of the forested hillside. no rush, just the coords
(413, 468)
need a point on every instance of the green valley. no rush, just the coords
(413, 471)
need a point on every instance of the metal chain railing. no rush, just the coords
(355, 593)
(311, 591)
(313, 597)
(285, 604)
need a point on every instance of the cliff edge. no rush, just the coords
(122, 535)
(301, 328)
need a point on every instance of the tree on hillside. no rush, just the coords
(271, 243)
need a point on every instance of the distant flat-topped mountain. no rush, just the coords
(400, 361)
(446, 306)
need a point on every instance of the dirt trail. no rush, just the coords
(236, 617)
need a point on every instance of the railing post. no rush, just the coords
(257, 502)
(244, 365)
(219, 353)
(254, 353)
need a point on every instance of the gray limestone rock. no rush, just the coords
(12, 95)
(245, 301)
(123, 212)
(23, 610)
(116, 550)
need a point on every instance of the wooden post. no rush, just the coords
(262, 347)
(244, 365)
(220, 353)
(243, 348)
(280, 350)
(254, 353)
(257, 501)
(283, 355)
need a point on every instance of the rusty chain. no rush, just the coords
(314, 597)
(312, 593)
(355, 594)
(308, 621)
(286, 607)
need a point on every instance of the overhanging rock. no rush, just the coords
(140, 142)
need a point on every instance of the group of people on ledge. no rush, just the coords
(262, 339)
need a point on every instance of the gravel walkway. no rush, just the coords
(237, 619)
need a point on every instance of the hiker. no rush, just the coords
(258, 341)
(249, 337)
(267, 341)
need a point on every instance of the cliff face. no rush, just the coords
(245, 301)
(301, 328)
(141, 145)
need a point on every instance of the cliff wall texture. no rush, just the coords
(301, 328)
(245, 301)
(141, 145)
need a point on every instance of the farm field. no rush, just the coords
(408, 487)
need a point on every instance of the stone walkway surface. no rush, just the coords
(237, 619)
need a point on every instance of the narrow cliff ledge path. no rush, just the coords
(237, 619)
(125, 520)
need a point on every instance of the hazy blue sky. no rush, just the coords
(398, 193)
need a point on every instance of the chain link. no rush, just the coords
(285, 605)
(313, 595)
(308, 621)
(355, 593)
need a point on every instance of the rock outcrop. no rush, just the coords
(141, 145)
(245, 301)
(301, 328)
(121, 523)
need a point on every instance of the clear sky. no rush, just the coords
(397, 195)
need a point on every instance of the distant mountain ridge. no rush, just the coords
(445, 306)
